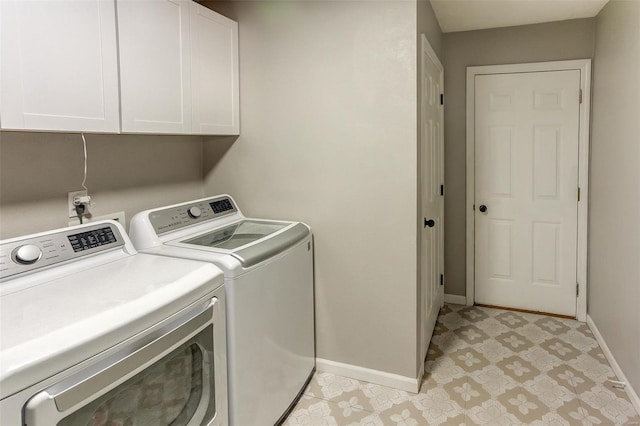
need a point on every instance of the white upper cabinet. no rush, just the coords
(58, 66)
(214, 73)
(178, 68)
(155, 66)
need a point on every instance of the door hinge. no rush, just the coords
(442, 190)
(441, 98)
(441, 279)
(580, 96)
(578, 194)
(577, 289)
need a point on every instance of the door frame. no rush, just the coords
(584, 66)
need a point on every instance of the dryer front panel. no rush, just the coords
(177, 379)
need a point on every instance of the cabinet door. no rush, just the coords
(58, 65)
(155, 72)
(214, 53)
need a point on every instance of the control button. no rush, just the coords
(194, 212)
(27, 254)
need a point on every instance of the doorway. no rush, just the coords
(527, 186)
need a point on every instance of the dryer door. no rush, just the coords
(173, 380)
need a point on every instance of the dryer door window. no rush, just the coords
(178, 378)
(169, 392)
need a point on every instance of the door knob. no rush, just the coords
(430, 223)
(483, 209)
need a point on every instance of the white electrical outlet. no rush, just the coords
(71, 196)
(117, 216)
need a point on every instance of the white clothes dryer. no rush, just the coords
(91, 332)
(268, 267)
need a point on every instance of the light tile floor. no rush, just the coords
(488, 367)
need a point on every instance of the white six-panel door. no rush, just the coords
(432, 200)
(526, 190)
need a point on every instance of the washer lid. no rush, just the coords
(238, 234)
(55, 323)
(239, 238)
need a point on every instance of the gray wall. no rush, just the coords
(614, 225)
(529, 43)
(125, 173)
(428, 25)
(328, 123)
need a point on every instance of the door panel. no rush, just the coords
(500, 248)
(545, 252)
(526, 133)
(546, 168)
(432, 204)
(500, 138)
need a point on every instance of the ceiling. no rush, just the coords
(465, 15)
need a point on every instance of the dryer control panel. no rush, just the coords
(24, 255)
(187, 214)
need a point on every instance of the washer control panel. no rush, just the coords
(36, 252)
(186, 214)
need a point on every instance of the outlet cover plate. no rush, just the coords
(70, 197)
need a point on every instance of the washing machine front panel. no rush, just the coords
(270, 339)
(268, 268)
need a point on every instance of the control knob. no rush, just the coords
(194, 212)
(27, 254)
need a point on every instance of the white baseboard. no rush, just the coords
(455, 299)
(367, 375)
(633, 396)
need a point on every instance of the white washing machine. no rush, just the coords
(268, 267)
(91, 332)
